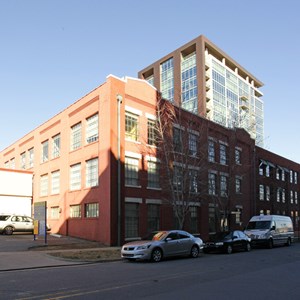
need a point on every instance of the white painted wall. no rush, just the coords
(15, 192)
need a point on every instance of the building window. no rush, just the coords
(193, 219)
(31, 157)
(283, 195)
(75, 177)
(211, 151)
(278, 194)
(295, 177)
(261, 192)
(45, 151)
(296, 197)
(291, 197)
(153, 217)
(177, 178)
(291, 176)
(153, 174)
(23, 160)
(223, 154)
(238, 154)
(55, 182)
(212, 218)
(268, 193)
(92, 175)
(76, 136)
(44, 185)
(131, 126)
(193, 178)
(277, 173)
(282, 175)
(177, 139)
(212, 178)
(56, 146)
(131, 171)
(55, 212)
(92, 129)
(238, 185)
(223, 186)
(12, 163)
(75, 211)
(167, 79)
(91, 210)
(6, 165)
(131, 220)
(193, 144)
(151, 133)
(189, 90)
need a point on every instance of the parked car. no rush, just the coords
(163, 244)
(227, 242)
(16, 223)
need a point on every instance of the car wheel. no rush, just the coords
(288, 242)
(194, 252)
(156, 255)
(8, 230)
(229, 249)
(248, 247)
(270, 244)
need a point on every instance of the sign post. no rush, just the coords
(40, 219)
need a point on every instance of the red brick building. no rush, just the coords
(97, 166)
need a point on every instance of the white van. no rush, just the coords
(269, 230)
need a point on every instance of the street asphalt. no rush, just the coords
(21, 251)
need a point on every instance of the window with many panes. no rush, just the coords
(131, 171)
(151, 133)
(268, 193)
(76, 136)
(167, 79)
(31, 157)
(12, 163)
(177, 178)
(153, 217)
(23, 160)
(283, 195)
(92, 129)
(193, 144)
(131, 220)
(238, 185)
(223, 186)
(291, 197)
(131, 126)
(238, 153)
(54, 212)
(211, 151)
(56, 146)
(92, 175)
(261, 192)
(177, 139)
(193, 178)
(223, 154)
(193, 219)
(45, 151)
(153, 174)
(212, 189)
(75, 177)
(91, 210)
(55, 182)
(75, 211)
(44, 185)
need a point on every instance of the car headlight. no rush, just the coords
(143, 247)
(219, 244)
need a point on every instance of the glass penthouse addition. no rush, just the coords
(204, 80)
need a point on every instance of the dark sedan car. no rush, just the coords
(227, 242)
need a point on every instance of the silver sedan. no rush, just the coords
(163, 244)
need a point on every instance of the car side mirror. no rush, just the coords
(273, 228)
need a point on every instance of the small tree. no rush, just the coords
(178, 136)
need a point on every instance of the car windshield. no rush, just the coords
(259, 225)
(221, 236)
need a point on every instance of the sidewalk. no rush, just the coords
(26, 253)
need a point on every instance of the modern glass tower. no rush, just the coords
(204, 80)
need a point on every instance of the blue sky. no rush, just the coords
(53, 52)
